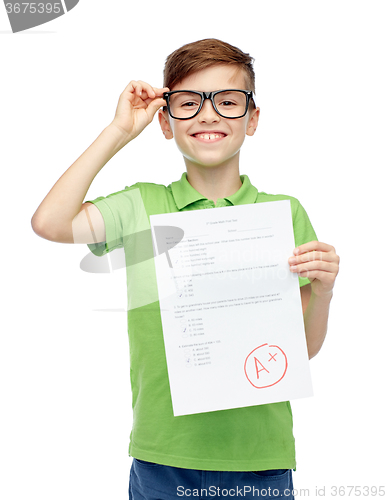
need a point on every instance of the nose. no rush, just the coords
(208, 113)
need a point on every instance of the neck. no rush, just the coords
(214, 182)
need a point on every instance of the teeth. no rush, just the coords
(209, 136)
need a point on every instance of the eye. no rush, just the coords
(189, 104)
(227, 103)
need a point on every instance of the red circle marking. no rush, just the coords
(286, 366)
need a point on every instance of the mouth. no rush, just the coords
(209, 136)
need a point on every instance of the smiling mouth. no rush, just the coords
(209, 137)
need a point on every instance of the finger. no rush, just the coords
(312, 256)
(160, 92)
(313, 245)
(156, 104)
(152, 91)
(146, 88)
(140, 91)
(321, 265)
(130, 87)
(140, 88)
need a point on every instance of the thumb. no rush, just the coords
(155, 105)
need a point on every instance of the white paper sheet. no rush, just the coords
(232, 322)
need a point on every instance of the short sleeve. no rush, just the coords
(120, 212)
(303, 230)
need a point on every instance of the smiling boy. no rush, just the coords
(251, 447)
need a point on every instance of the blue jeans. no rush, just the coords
(150, 481)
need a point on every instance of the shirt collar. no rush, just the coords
(184, 194)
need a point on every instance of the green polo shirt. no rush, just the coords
(241, 439)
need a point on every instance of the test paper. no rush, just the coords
(230, 307)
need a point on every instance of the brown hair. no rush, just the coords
(202, 54)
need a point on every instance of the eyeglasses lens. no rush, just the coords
(231, 104)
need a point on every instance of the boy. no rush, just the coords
(214, 453)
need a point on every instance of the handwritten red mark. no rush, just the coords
(257, 370)
(256, 366)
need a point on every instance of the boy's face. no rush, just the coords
(209, 140)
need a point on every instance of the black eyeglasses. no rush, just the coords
(229, 103)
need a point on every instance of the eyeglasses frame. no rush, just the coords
(210, 95)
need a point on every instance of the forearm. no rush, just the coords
(316, 322)
(65, 199)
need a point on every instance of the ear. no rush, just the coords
(164, 124)
(253, 122)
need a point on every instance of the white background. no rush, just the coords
(64, 366)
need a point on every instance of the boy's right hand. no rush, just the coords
(136, 108)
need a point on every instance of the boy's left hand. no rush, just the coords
(319, 263)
